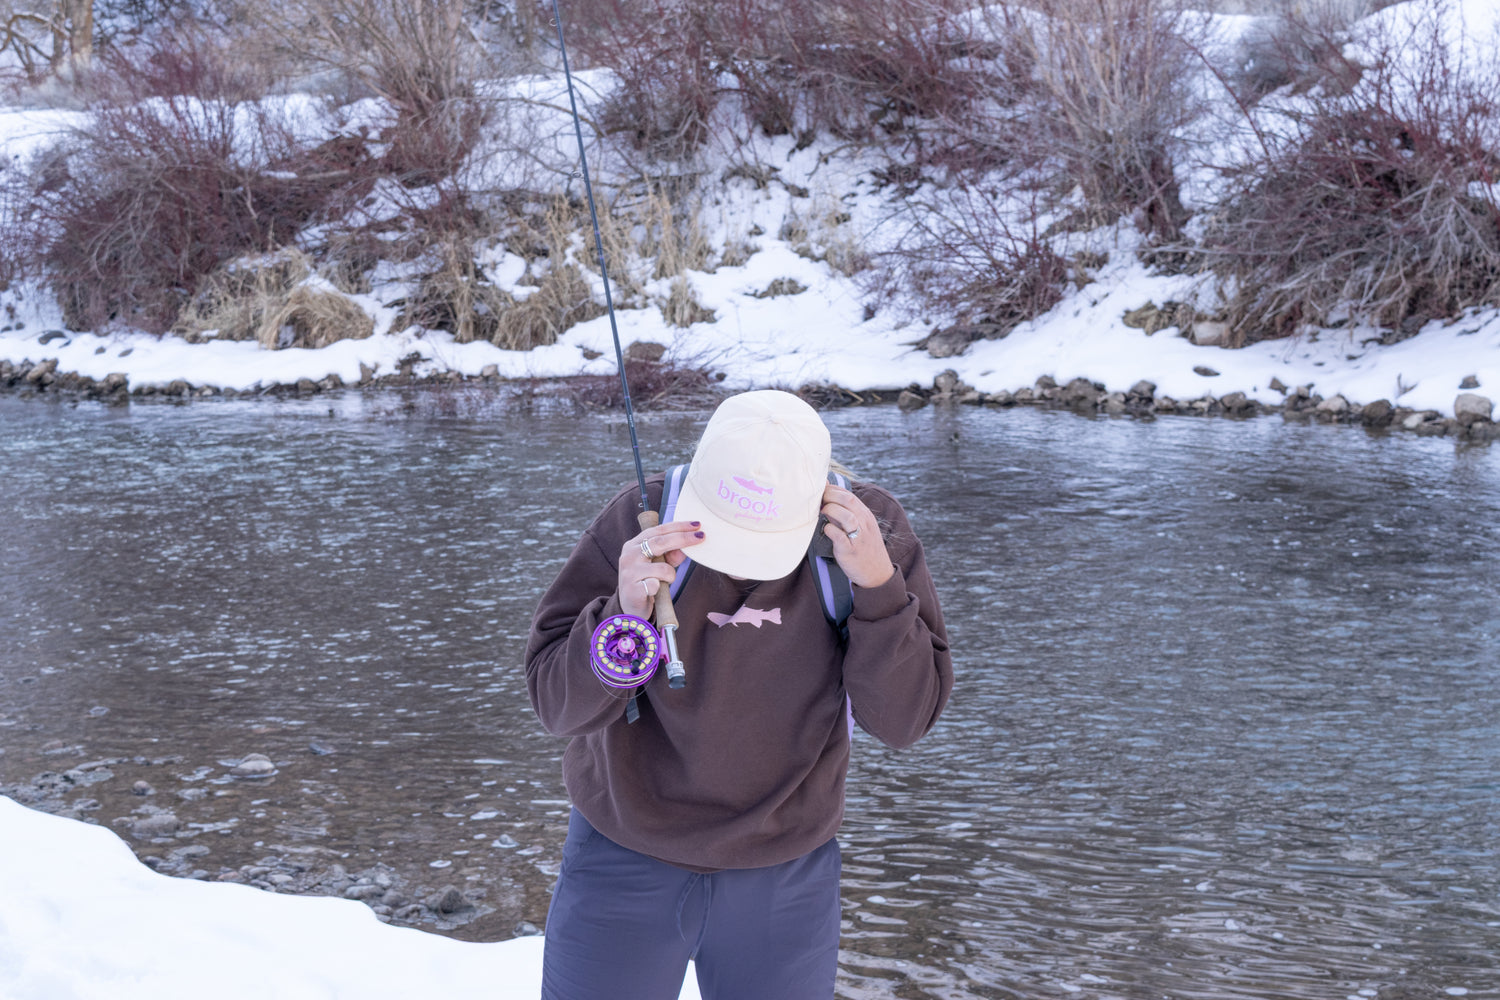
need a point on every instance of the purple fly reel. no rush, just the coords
(626, 651)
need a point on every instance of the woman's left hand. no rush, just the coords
(857, 545)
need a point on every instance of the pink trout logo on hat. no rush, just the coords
(760, 507)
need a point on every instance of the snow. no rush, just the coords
(821, 335)
(82, 919)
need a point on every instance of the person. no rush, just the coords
(705, 829)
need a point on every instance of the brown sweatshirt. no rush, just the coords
(744, 766)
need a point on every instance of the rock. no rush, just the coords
(1114, 403)
(490, 371)
(322, 747)
(1483, 430)
(331, 381)
(1278, 386)
(1164, 404)
(1210, 333)
(307, 386)
(41, 371)
(142, 788)
(950, 387)
(177, 387)
(1417, 419)
(1081, 392)
(1376, 414)
(161, 824)
(644, 350)
(1469, 382)
(115, 381)
(1045, 382)
(1236, 403)
(448, 900)
(50, 336)
(527, 929)
(364, 891)
(1023, 396)
(1002, 398)
(1334, 406)
(1470, 407)
(909, 401)
(1205, 371)
(1433, 428)
(366, 373)
(1144, 388)
(254, 765)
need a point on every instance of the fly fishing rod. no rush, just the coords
(611, 662)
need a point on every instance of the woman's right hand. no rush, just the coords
(640, 574)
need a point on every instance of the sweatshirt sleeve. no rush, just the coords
(568, 698)
(897, 669)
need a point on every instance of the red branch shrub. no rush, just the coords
(1376, 202)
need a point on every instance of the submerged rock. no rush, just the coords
(255, 765)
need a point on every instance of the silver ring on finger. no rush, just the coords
(853, 534)
(650, 586)
(646, 549)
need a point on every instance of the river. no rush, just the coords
(1226, 725)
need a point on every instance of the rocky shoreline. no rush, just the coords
(1473, 418)
(166, 842)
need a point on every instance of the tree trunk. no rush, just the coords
(78, 21)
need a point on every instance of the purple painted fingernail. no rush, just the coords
(697, 534)
(696, 524)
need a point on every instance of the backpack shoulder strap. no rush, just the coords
(671, 490)
(835, 592)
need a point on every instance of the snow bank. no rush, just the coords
(81, 919)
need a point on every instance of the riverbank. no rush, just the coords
(1470, 418)
(1106, 347)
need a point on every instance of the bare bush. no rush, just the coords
(848, 66)
(422, 56)
(148, 197)
(661, 51)
(1377, 204)
(667, 384)
(1113, 91)
(979, 257)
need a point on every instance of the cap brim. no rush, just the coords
(732, 549)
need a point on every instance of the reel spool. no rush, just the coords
(625, 652)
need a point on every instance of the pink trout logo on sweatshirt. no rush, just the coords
(746, 615)
(756, 503)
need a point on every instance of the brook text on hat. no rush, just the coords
(755, 509)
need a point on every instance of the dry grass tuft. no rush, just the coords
(682, 308)
(276, 301)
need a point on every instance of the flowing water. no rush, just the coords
(1227, 722)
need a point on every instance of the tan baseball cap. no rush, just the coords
(756, 484)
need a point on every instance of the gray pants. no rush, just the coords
(622, 926)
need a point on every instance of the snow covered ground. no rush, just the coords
(82, 919)
(820, 335)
